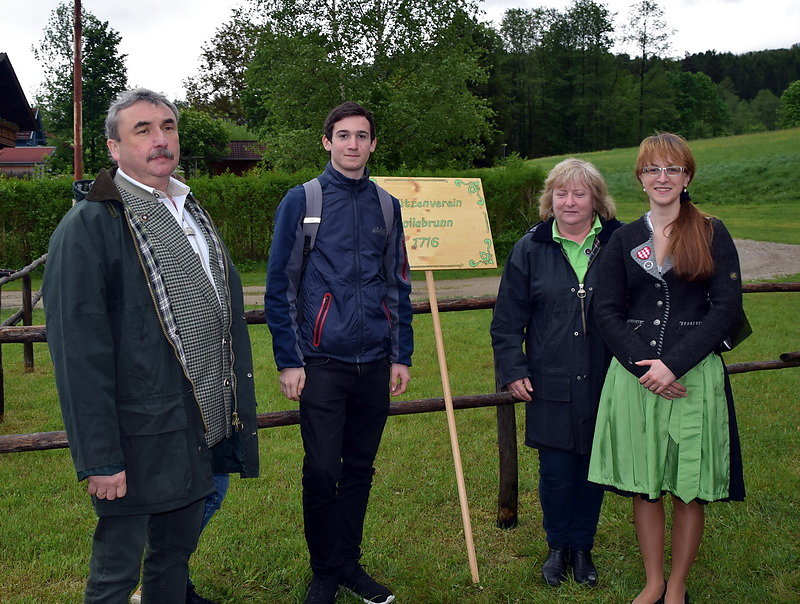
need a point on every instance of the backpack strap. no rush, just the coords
(313, 215)
(388, 210)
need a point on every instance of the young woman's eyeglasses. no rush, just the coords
(670, 170)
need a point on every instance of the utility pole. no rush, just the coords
(77, 87)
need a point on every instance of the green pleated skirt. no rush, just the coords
(647, 445)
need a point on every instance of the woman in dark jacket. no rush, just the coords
(671, 294)
(548, 355)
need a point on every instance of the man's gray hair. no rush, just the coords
(129, 97)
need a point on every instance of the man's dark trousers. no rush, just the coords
(119, 541)
(343, 410)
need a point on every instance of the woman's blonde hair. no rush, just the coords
(573, 170)
(691, 232)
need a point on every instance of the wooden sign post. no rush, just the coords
(446, 227)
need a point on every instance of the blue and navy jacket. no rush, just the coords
(354, 303)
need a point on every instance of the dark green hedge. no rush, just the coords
(29, 211)
(243, 208)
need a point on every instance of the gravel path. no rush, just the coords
(759, 259)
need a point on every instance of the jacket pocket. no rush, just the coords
(552, 387)
(156, 449)
(319, 322)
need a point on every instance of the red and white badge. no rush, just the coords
(644, 253)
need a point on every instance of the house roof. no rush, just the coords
(245, 150)
(25, 155)
(13, 104)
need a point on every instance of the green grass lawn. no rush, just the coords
(254, 551)
(747, 181)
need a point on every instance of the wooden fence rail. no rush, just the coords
(40, 441)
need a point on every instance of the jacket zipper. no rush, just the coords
(581, 293)
(320, 320)
(388, 312)
(357, 250)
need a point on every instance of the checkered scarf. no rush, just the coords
(195, 319)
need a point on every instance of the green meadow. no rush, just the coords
(748, 181)
(254, 550)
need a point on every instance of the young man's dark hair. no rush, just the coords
(347, 109)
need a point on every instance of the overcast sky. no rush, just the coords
(162, 38)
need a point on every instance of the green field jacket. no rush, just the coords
(125, 400)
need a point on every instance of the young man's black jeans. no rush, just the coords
(343, 410)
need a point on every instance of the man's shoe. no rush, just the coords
(356, 579)
(554, 569)
(322, 589)
(583, 570)
(192, 597)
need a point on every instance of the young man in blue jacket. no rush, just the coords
(340, 316)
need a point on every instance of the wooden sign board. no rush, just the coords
(445, 222)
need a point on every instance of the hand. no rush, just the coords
(399, 379)
(520, 389)
(660, 380)
(673, 391)
(108, 487)
(293, 380)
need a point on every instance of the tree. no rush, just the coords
(648, 33)
(522, 32)
(700, 111)
(409, 62)
(743, 120)
(104, 77)
(203, 138)
(217, 88)
(765, 108)
(790, 106)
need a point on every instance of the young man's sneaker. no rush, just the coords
(322, 589)
(356, 579)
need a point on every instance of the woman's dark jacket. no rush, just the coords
(646, 315)
(541, 305)
(125, 400)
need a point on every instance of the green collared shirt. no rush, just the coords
(578, 253)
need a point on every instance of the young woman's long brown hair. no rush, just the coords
(691, 232)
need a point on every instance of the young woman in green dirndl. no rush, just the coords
(671, 294)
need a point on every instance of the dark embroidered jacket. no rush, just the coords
(646, 315)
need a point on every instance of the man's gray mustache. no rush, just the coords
(161, 153)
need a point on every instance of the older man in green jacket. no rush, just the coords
(151, 354)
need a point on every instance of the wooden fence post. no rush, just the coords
(27, 319)
(2, 385)
(2, 389)
(508, 490)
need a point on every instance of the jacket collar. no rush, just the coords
(543, 231)
(101, 188)
(336, 178)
